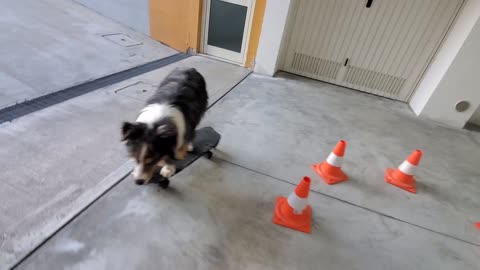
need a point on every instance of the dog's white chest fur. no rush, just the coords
(154, 112)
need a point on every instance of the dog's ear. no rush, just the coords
(132, 131)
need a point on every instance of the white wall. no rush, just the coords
(475, 119)
(131, 13)
(273, 31)
(453, 75)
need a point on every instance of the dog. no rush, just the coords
(165, 128)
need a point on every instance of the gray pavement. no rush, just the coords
(280, 126)
(131, 13)
(46, 46)
(217, 214)
(58, 160)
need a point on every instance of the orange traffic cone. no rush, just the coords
(331, 169)
(294, 212)
(403, 176)
(477, 225)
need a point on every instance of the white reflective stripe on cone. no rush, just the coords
(407, 168)
(298, 204)
(334, 160)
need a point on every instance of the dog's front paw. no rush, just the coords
(168, 171)
(190, 147)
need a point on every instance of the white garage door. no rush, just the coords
(377, 46)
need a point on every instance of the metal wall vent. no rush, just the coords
(315, 66)
(374, 80)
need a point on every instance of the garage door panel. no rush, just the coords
(340, 43)
(365, 30)
(383, 49)
(425, 48)
(383, 38)
(334, 29)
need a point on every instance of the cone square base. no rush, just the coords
(389, 179)
(330, 179)
(302, 222)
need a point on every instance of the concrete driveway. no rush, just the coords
(58, 160)
(68, 202)
(50, 45)
(217, 213)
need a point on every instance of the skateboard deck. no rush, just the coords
(205, 140)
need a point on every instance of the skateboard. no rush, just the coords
(205, 140)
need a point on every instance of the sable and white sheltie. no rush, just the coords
(165, 128)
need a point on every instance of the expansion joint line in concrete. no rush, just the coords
(120, 174)
(350, 203)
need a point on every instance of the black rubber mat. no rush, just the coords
(20, 109)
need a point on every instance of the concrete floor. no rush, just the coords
(218, 213)
(294, 122)
(46, 46)
(131, 13)
(218, 216)
(58, 160)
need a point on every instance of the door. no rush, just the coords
(226, 28)
(377, 46)
(176, 23)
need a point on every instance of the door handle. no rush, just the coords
(369, 3)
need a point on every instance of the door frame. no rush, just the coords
(223, 54)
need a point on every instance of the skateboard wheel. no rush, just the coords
(208, 155)
(164, 183)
